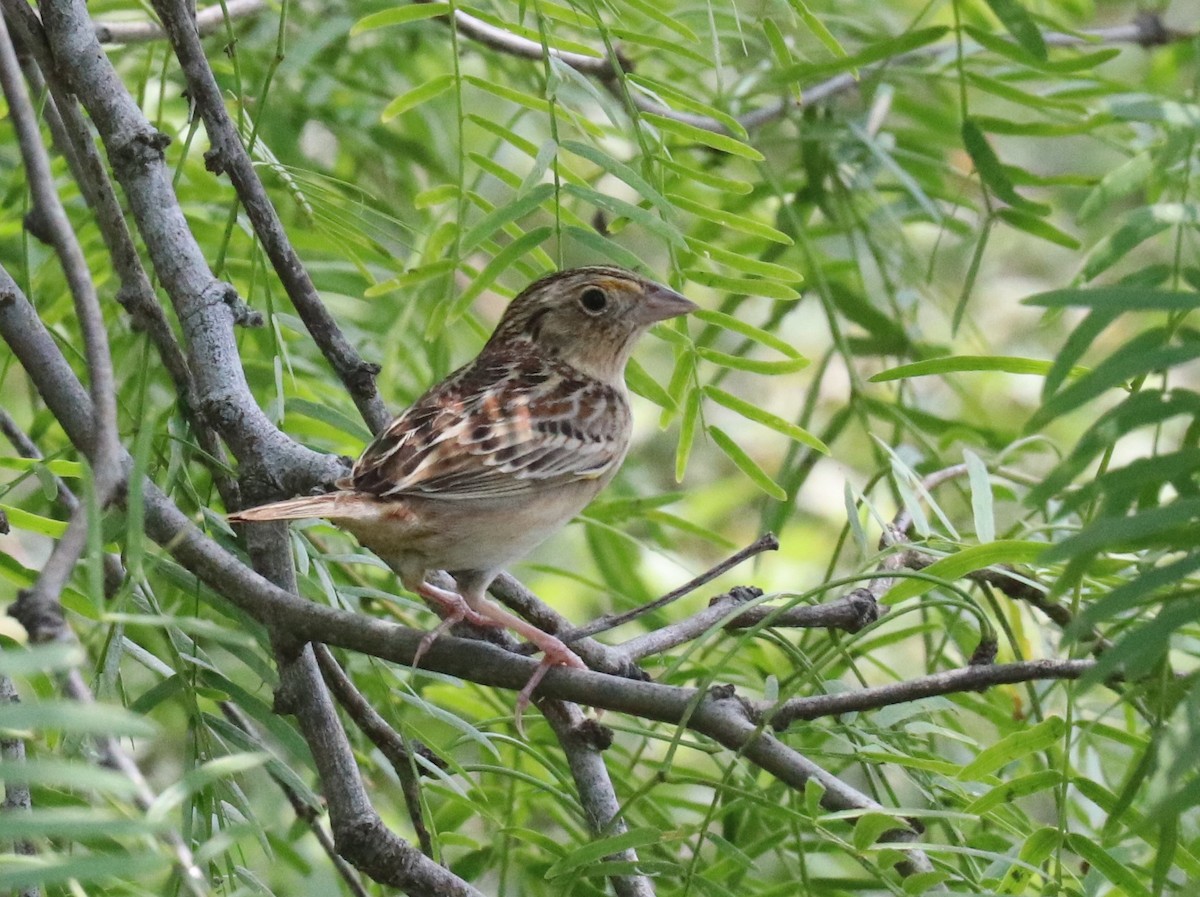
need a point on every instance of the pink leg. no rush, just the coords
(555, 652)
(454, 609)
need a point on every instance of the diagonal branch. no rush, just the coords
(230, 156)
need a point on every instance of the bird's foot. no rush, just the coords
(453, 609)
(555, 654)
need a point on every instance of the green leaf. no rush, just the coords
(870, 826)
(619, 170)
(1037, 226)
(634, 213)
(434, 87)
(50, 868)
(1009, 790)
(693, 134)
(58, 467)
(656, 13)
(603, 847)
(991, 171)
(1009, 364)
(745, 263)
(817, 27)
(500, 263)
(745, 328)
(1141, 355)
(879, 51)
(200, 778)
(766, 418)
(746, 464)
(1140, 225)
(982, 510)
(687, 433)
(956, 566)
(328, 414)
(1013, 747)
(749, 286)
(67, 774)
(1128, 879)
(1020, 25)
(75, 718)
(34, 523)
(504, 214)
(1121, 532)
(753, 365)
(399, 15)
(739, 223)
(1131, 175)
(32, 660)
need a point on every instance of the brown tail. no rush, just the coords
(333, 505)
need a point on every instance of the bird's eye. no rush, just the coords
(593, 300)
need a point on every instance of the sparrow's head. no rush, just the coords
(589, 317)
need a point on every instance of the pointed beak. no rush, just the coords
(659, 304)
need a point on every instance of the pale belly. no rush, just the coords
(426, 534)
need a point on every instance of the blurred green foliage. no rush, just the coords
(862, 257)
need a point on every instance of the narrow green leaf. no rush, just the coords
(708, 178)
(596, 850)
(501, 262)
(503, 214)
(399, 15)
(67, 774)
(745, 328)
(1116, 299)
(817, 27)
(411, 277)
(1131, 175)
(749, 286)
(956, 566)
(1141, 355)
(745, 263)
(766, 418)
(1121, 532)
(886, 49)
(1020, 25)
(1013, 747)
(982, 509)
(1008, 791)
(619, 170)
(991, 170)
(740, 223)
(753, 365)
(58, 467)
(656, 13)
(34, 523)
(1036, 226)
(1140, 225)
(434, 87)
(1128, 879)
(693, 134)
(76, 718)
(196, 780)
(1009, 364)
(32, 660)
(746, 464)
(687, 433)
(328, 414)
(634, 213)
(50, 869)
(870, 826)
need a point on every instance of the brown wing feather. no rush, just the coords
(499, 428)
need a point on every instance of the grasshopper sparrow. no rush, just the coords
(503, 452)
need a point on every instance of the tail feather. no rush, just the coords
(333, 506)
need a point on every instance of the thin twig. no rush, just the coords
(971, 678)
(230, 156)
(766, 542)
(1147, 30)
(208, 20)
(17, 800)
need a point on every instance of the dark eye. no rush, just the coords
(593, 300)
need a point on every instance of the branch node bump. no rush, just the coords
(43, 620)
(38, 227)
(140, 150)
(985, 654)
(214, 161)
(593, 734)
(4, 527)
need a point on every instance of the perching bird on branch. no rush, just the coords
(504, 452)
